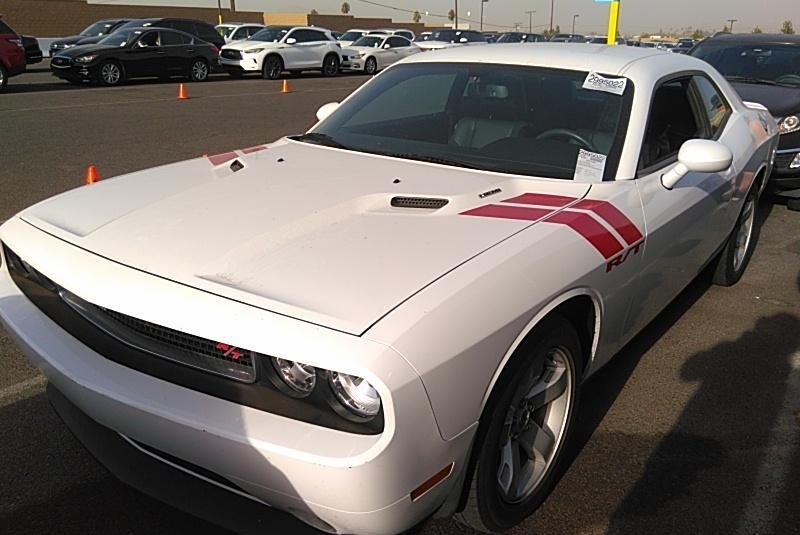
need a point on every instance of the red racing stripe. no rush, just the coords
(257, 148)
(508, 212)
(613, 217)
(542, 199)
(219, 159)
(595, 233)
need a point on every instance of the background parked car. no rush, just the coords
(236, 31)
(603, 40)
(568, 38)
(33, 54)
(683, 46)
(197, 28)
(276, 49)
(402, 32)
(95, 30)
(520, 37)
(351, 36)
(12, 54)
(765, 68)
(491, 37)
(447, 38)
(137, 53)
(372, 53)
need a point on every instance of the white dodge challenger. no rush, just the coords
(390, 316)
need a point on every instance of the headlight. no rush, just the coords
(789, 124)
(86, 59)
(355, 394)
(300, 378)
(254, 50)
(70, 45)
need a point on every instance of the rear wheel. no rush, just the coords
(527, 424)
(734, 258)
(199, 70)
(330, 65)
(371, 66)
(3, 77)
(273, 67)
(110, 73)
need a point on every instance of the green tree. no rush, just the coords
(757, 30)
(451, 15)
(345, 8)
(417, 17)
(699, 34)
(787, 27)
(726, 29)
(313, 12)
(558, 28)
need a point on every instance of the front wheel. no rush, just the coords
(3, 77)
(371, 66)
(110, 73)
(330, 65)
(199, 71)
(733, 259)
(525, 428)
(273, 67)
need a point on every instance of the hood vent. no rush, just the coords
(425, 203)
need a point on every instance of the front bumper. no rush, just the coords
(74, 71)
(334, 480)
(248, 63)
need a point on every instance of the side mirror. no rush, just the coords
(291, 41)
(462, 40)
(387, 46)
(325, 111)
(698, 156)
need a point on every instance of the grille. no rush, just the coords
(61, 62)
(231, 54)
(782, 161)
(208, 355)
(419, 202)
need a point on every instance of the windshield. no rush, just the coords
(369, 41)
(225, 31)
(140, 23)
(511, 38)
(97, 29)
(120, 38)
(774, 63)
(448, 36)
(351, 36)
(269, 35)
(510, 119)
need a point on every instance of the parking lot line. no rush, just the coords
(11, 393)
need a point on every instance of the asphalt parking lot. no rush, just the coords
(694, 428)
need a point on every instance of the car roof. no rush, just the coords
(612, 60)
(757, 38)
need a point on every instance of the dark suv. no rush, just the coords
(97, 29)
(12, 54)
(198, 28)
(765, 68)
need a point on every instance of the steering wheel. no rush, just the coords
(564, 132)
(788, 79)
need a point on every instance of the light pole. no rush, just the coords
(575, 16)
(530, 20)
(482, 2)
(219, 11)
(732, 21)
(455, 19)
(552, 3)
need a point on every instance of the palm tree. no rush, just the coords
(451, 15)
(417, 17)
(345, 8)
(787, 28)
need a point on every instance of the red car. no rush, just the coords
(12, 54)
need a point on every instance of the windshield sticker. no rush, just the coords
(596, 82)
(590, 166)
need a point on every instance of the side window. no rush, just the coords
(672, 122)
(252, 30)
(397, 42)
(298, 35)
(313, 35)
(241, 33)
(475, 37)
(714, 104)
(149, 39)
(407, 35)
(174, 38)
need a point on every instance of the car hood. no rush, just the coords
(71, 40)
(304, 231)
(248, 44)
(780, 101)
(81, 50)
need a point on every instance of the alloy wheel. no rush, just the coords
(110, 73)
(744, 234)
(534, 428)
(199, 71)
(371, 67)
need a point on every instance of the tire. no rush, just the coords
(733, 260)
(110, 73)
(3, 77)
(330, 65)
(272, 68)
(538, 390)
(198, 72)
(371, 66)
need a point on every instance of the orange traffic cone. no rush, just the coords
(182, 95)
(285, 88)
(91, 175)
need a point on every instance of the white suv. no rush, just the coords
(276, 49)
(237, 31)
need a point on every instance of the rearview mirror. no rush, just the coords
(291, 41)
(698, 156)
(325, 111)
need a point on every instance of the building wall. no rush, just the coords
(339, 23)
(54, 18)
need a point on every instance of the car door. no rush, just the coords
(175, 46)
(685, 225)
(145, 56)
(314, 48)
(291, 50)
(398, 49)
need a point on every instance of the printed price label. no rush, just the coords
(590, 166)
(596, 82)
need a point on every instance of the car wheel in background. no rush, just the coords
(110, 73)
(199, 70)
(273, 68)
(3, 77)
(524, 429)
(371, 66)
(733, 259)
(330, 65)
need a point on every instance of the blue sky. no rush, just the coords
(637, 15)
